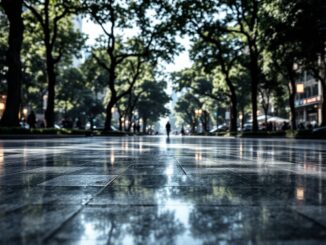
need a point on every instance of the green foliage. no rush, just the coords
(185, 109)
(114, 52)
(41, 131)
(3, 49)
(239, 49)
(151, 104)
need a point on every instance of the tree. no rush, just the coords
(153, 41)
(4, 27)
(218, 49)
(209, 81)
(60, 39)
(13, 10)
(33, 66)
(151, 104)
(310, 26)
(284, 50)
(242, 19)
(128, 104)
(186, 107)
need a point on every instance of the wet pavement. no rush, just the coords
(149, 190)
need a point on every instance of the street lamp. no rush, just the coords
(45, 101)
(123, 123)
(240, 119)
(198, 112)
(25, 110)
(300, 88)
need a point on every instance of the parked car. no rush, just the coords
(219, 128)
(246, 127)
(319, 130)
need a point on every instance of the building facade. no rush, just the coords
(308, 100)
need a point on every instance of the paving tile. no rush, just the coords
(101, 170)
(150, 181)
(79, 180)
(34, 222)
(47, 195)
(146, 190)
(196, 225)
(26, 180)
(316, 213)
(53, 170)
(150, 170)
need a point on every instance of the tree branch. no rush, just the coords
(37, 15)
(100, 62)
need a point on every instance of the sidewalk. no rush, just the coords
(150, 190)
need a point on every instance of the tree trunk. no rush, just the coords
(130, 123)
(13, 10)
(120, 123)
(108, 119)
(323, 104)
(254, 74)
(292, 109)
(130, 115)
(254, 86)
(193, 126)
(243, 119)
(144, 125)
(266, 119)
(49, 112)
(233, 112)
(204, 121)
(292, 94)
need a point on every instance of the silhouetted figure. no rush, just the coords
(91, 122)
(64, 123)
(301, 126)
(285, 126)
(168, 129)
(134, 127)
(309, 126)
(182, 131)
(31, 120)
(42, 124)
(79, 124)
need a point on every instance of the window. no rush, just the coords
(315, 90)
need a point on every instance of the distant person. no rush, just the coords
(64, 122)
(309, 126)
(42, 124)
(91, 122)
(182, 131)
(168, 128)
(134, 126)
(301, 126)
(70, 123)
(31, 120)
(285, 126)
(79, 124)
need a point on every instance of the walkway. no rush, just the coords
(146, 190)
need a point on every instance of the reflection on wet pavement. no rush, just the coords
(145, 190)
